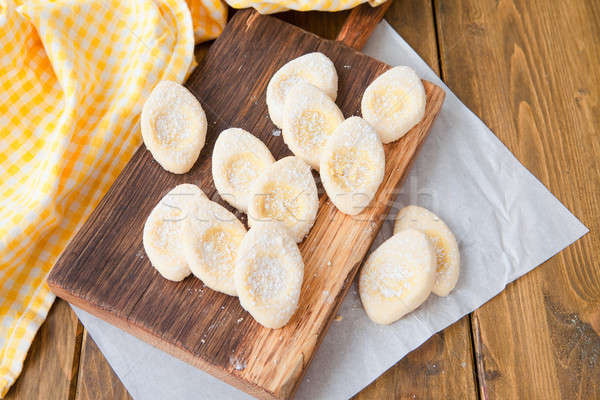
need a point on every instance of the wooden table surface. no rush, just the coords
(530, 70)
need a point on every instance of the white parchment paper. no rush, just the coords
(505, 220)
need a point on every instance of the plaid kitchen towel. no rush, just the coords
(273, 6)
(73, 78)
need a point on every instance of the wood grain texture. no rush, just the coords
(441, 368)
(428, 372)
(529, 69)
(360, 24)
(104, 270)
(97, 381)
(52, 362)
(322, 23)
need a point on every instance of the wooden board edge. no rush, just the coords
(287, 390)
(154, 340)
(352, 274)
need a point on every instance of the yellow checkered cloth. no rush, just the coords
(73, 77)
(273, 6)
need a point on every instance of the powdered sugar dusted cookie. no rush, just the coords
(314, 68)
(394, 103)
(443, 241)
(285, 192)
(397, 277)
(268, 274)
(309, 118)
(162, 231)
(352, 165)
(173, 126)
(210, 242)
(238, 159)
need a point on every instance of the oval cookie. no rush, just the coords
(210, 242)
(314, 68)
(173, 126)
(162, 231)
(268, 274)
(238, 159)
(397, 277)
(309, 119)
(394, 103)
(443, 241)
(285, 192)
(352, 165)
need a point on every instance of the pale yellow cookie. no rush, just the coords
(314, 68)
(162, 231)
(237, 160)
(309, 119)
(210, 242)
(352, 165)
(443, 241)
(268, 274)
(394, 103)
(285, 192)
(397, 277)
(173, 126)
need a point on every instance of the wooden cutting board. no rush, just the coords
(105, 271)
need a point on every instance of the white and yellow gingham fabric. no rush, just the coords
(273, 6)
(73, 77)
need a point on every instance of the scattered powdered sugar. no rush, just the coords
(287, 193)
(400, 260)
(314, 68)
(171, 128)
(267, 279)
(352, 168)
(355, 157)
(313, 117)
(238, 364)
(311, 129)
(173, 120)
(218, 250)
(242, 170)
(389, 103)
(167, 235)
(276, 132)
(389, 279)
(286, 84)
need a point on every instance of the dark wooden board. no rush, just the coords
(104, 270)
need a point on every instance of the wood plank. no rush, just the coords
(50, 369)
(97, 381)
(529, 69)
(442, 368)
(104, 269)
(430, 371)
(322, 23)
(360, 23)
